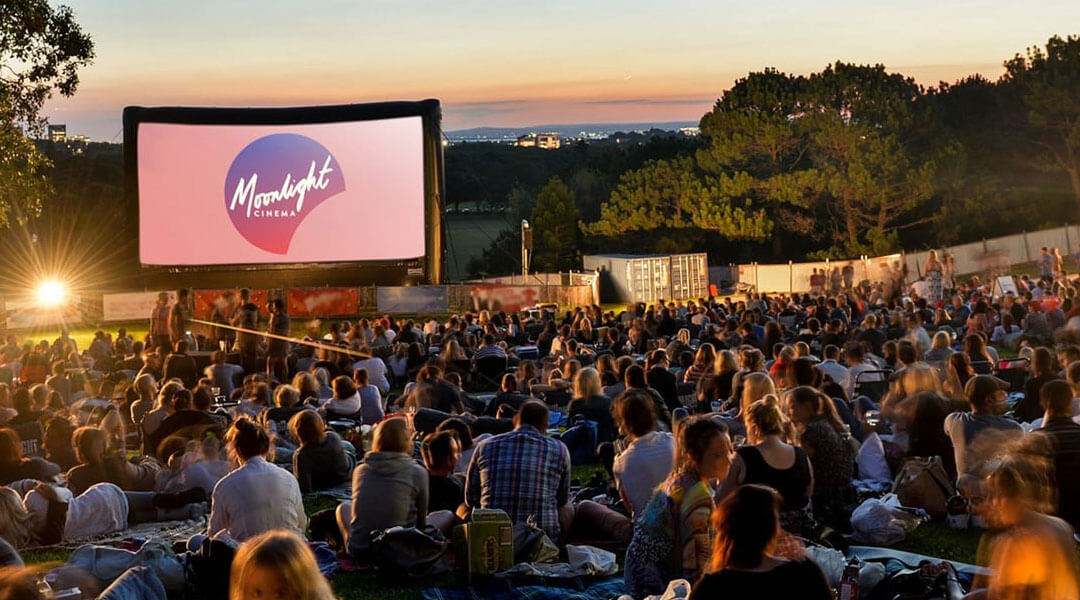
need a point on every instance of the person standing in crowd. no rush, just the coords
(523, 472)
(1045, 263)
(277, 348)
(178, 317)
(932, 271)
(160, 330)
(246, 319)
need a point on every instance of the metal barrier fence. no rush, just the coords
(100, 307)
(989, 256)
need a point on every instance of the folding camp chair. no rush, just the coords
(873, 384)
(1015, 371)
(489, 370)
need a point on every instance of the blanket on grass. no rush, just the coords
(579, 588)
(171, 531)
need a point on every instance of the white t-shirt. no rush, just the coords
(256, 498)
(645, 464)
(101, 509)
(343, 406)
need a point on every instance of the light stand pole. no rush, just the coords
(526, 248)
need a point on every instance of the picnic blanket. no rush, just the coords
(895, 560)
(579, 588)
(342, 492)
(171, 531)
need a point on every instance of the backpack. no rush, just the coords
(923, 483)
(206, 570)
(580, 438)
(410, 553)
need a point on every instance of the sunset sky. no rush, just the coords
(512, 63)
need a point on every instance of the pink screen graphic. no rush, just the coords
(371, 206)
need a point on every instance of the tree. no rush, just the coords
(41, 51)
(872, 154)
(670, 195)
(755, 152)
(1048, 83)
(555, 228)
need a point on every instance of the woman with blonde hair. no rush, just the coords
(914, 379)
(590, 402)
(389, 489)
(755, 387)
(277, 564)
(16, 523)
(940, 349)
(769, 460)
(453, 351)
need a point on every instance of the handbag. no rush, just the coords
(410, 553)
(923, 483)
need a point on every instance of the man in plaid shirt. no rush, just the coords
(522, 472)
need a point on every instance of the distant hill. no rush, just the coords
(594, 130)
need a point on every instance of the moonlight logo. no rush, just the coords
(274, 183)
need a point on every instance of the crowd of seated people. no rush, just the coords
(729, 428)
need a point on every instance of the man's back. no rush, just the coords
(524, 473)
(1065, 435)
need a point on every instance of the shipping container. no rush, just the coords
(649, 278)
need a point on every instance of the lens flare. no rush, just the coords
(51, 293)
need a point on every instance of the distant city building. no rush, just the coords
(547, 141)
(58, 133)
(690, 131)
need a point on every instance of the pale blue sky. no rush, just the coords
(513, 63)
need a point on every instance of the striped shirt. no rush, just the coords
(524, 473)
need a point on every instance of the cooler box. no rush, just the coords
(484, 546)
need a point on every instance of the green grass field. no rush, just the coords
(467, 236)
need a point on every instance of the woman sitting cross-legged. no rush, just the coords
(257, 496)
(742, 565)
(388, 489)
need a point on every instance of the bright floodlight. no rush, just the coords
(51, 293)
